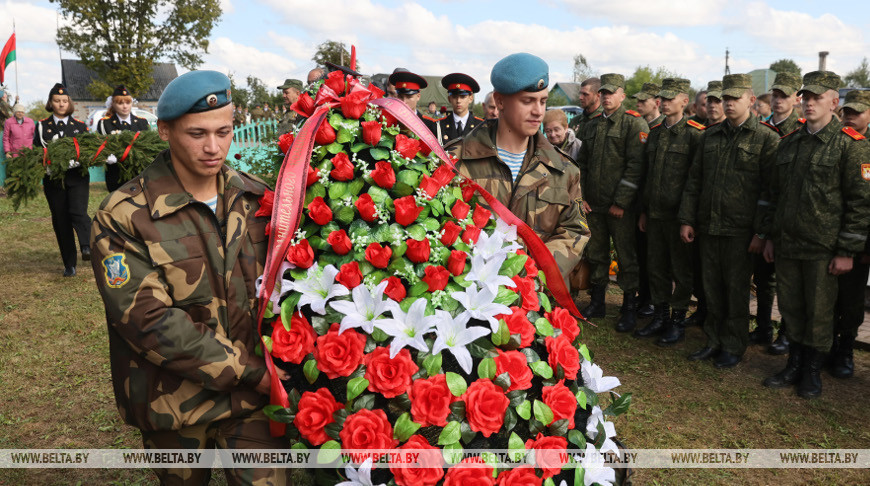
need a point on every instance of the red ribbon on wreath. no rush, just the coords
(127, 150)
(78, 152)
(100, 150)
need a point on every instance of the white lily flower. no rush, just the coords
(485, 273)
(480, 305)
(363, 309)
(361, 477)
(594, 470)
(453, 335)
(594, 379)
(283, 288)
(407, 329)
(489, 246)
(507, 230)
(317, 288)
(596, 417)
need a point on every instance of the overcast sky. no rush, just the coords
(275, 39)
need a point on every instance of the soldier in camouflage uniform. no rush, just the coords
(590, 101)
(177, 252)
(511, 158)
(724, 202)
(290, 91)
(611, 166)
(700, 107)
(820, 204)
(648, 104)
(668, 154)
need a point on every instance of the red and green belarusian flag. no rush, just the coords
(7, 56)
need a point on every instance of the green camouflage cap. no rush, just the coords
(671, 87)
(818, 82)
(788, 83)
(611, 82)
(858, 100)
(649, 90)
(735, 85)
(291, 83)
(714, 89)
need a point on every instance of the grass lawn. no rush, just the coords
(57, 393)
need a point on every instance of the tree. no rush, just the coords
(334, 52)
(786, 66)
(860, 77)
(645, 74)
(36, 110)
(120, 41)
(582, 69)
(557, 99)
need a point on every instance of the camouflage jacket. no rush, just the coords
(790, 124)
(287, 123)
(656, 121)
(178, 286)
(546, 194)
(667, 157)
(820, 194)
(726, 193)
(611, 159)
(582, 119)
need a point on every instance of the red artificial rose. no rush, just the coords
(407, 147)
(514, 364)
(451, 232)
(325, 133)
(266, 204)
(561, 401)
(301, 255)
(335, 82)
(471, 234)
(460, 209)
(563, 353)
(315, 413)
(319, 211)
(284, 142)
(485, 406)
(375, 92)
(443, 174)
(354, 104)
(342, 167)
(456, 262)
(481, 216)
(430, 401)
(428, 468)
(349, 275)
(389, 377)
(389, 119)
(339, 354)
(339, 241)
(294, 345)
(425, 150)
(395, 290)
(367, 429)
(519, 476)
(371, 132)
(366, 207)
(549, 453)
(384, 175)
(430, 186)
(312, 176)
(469, 475)
(526, 288)
(518, 323)
(436, 277)
(378, 255)
(418, 251)
(406, 210)
(531, 268)
(304, 105)
(468, 191)
(562, 319)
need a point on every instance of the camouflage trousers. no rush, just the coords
(807, 297)
(240, 433)
(850, 300)
(604, 227)
(669, 261)
(764, 277)
(727, 270)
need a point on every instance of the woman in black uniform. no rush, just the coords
(67, 200)
(118, 118)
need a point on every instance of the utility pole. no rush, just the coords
(727, 68)
(823, 60)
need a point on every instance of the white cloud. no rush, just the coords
(228, 56)
(665, 13)
(227, 7)
(798, 33)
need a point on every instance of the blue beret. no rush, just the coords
(194, 92)
(520, 72)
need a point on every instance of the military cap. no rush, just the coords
(520, 72)
(671, 87)
(817, 82)
(714, 89)
(120, 90)
(735, 85)
(788, 83)
(58, 89)
(649, 90)
(407, 82)
(459, 84)
(611, 82)
(194, 92)
(291, 83)
(858, 100)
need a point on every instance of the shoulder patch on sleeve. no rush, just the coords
(802, 120)
(633, 113)
(865, 172)
(643, 137)
(694, 124)
(852, 133)
(115, 270)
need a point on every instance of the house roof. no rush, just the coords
(571, 90)
(77, 77)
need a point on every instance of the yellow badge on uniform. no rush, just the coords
(643, 137)
(865, 171)
(116, 270)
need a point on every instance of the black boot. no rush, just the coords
(811, 378)
(661, 317)
(763, 333)
(628, 319)
(596, 307)
(675, 330)
(781, 344)
(843, 366)
(792, 372)
(645, 308)
(698, 317)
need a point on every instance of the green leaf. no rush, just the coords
(344, 136)
(486, 368)
(311, 371)
(542, 277)
(452, 453)
(457, 409)
(431, 224)
(450, 434)
(337, 190)
(524, 410)
(409, 177)
(584, 351)
(516, 397)
(543, 413)
(505, 296)
(417, 231)
(581, 398)
(356, 386)
(366, 400)
(549, 482)
(345, 215)
(542, 369)
(329, 452)
(467, 435)
(531, 355)
(288, 307)
(432, 364)
(418, 289)
(503, 335)
(456, 383)
(358, 146)
(515, 443)
(379, 153)
(545, 302)
(510, 419)
(405, 427)
(543, 326)
(378, 194)
(334, 148)
(577, 438)
(355, 186)
(513, 265)
(401, 189)
(278, 414)
(503, 380)
(619, 406)
(559, 427)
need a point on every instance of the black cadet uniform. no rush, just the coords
(408, 83)
(109, 125)
(448, 128)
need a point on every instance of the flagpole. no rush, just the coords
(16, 60)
